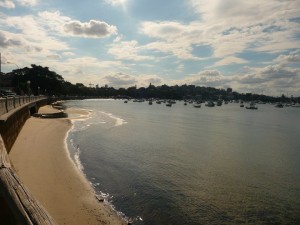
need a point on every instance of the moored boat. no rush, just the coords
(251, 106)
(279, 105)
(210, 104)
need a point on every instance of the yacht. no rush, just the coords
(251, 106)
(210, 104)
(219, 102)
(279, 105)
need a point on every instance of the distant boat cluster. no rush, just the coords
(210, 103)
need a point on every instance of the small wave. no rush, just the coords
(118, 121)
(77, 159)
(98, 100)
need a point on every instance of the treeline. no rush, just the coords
(40, 80)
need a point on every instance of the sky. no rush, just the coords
(250, 46)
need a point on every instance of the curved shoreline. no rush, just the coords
(42, 160)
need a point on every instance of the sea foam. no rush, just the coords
(118, 121)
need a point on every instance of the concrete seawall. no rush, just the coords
(12, 122)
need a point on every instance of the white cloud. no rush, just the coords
(243, 13)
(33, 34)
(120, 80)
(174, 38)
(230, 60)
(6, 42)
(116, 2)
(272, 79)
(66, 26)
(28, 3)
(54, 56)
(68, 53)
(229, 27)
(93, 28)
(292, 57)
(9, 4)
(127, 50)
(208, 78)
(126, 80)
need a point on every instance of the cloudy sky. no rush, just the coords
(251, 46)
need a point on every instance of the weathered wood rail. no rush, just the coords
(23, 207)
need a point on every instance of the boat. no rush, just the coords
(242, 104)
(172, 101)
(279, 105)
(296, 105)
(169, 104)
(125, 101)
(219, 102)
(210, 104)
(185, 103)
(150, 103)
(197, 105)
(251, 106)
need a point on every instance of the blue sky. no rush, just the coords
(251, 46)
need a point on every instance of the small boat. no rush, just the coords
(210, 104)
(296, 105)
(197, 105)
(279, 105)
(125, 101)
(242, 104)
(169, 104)
(158, 102)
(185, 103)
(150, 103)
(251, 106)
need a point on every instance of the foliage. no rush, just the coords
(44, 81)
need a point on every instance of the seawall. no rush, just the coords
(18, 111)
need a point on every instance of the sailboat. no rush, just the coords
(251, 106)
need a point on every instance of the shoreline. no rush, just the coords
(41, 158)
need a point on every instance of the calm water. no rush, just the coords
(182, 165)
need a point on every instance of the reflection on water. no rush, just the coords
(182, 165)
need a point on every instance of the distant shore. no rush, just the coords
(41, 159)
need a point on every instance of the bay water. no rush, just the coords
(159, 165)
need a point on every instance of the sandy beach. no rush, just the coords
(41, 160)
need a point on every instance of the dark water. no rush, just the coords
(182, 165)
